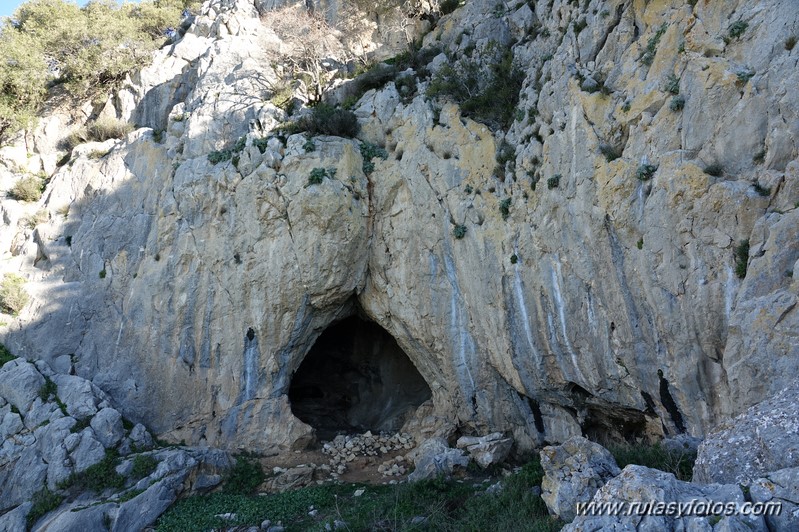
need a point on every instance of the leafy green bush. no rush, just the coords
(245, 477)
(369, 152)
(43, 501)
(459, 231)
(13, 296)
(5, 355)
(327, 120)
(143, 465)
(86, 50)
(553, 181)
(504, 208)
(28, 189)
(646, 171)
(790, 42)
(318, 175)
(741, 258)
(672, 84)
(487, 95)
(736, 29)
(677, 103)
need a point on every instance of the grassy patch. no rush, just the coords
(741, 258)
(652, 46)
(97, 478)
(680, 464)
(143, 466)
(446, 505)
(5, 355)
(43, 501)
(13, 296)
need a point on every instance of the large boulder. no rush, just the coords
(573, 472)
(780, 487)
(434, 458)
(20, 384)
(636, 493)
(765, 438)
(486, 450)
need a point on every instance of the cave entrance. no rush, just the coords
(356, 378)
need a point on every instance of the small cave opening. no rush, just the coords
(356, 378)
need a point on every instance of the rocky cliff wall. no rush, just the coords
(594, 290)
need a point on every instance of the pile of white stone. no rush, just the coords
(344, 449)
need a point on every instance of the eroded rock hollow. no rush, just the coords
(356, 378)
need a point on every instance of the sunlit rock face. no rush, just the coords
(598, 303)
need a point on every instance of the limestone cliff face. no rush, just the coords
(190, 292)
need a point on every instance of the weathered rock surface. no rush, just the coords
(190, 292)
(486, 450)
(434, 458)
(50, 453)
(763, 439)
(573, 473)
(641, 485)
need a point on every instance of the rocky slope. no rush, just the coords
(605, 303)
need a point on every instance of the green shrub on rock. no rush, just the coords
(28, 189)
(13, 296)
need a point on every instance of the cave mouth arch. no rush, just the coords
(356, 378)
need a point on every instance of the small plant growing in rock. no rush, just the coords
(44, 501)
(714, 169)
(646, 171)
(102, 273)
(261, 144)
(368, 152)
(5, 355)
(553, 181)
(216, 157)
(459, 231)
(245, 477)
(625, 107)
(609, 151)
(744, 75)
(504, 208)
(28, 189)
(468, 189)
(640, 243)
(309, 145)
(48, 389)
(677, 104)
(759, 157)
(514, 258)
(790, 42)
(761, 190)
(318, 175)
(672, 84)
(652, 45)
(13, 296)
(741, 258)
(736, 29)
(143, 466)
(99, 477)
